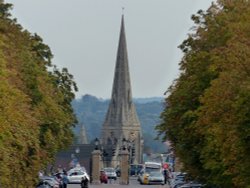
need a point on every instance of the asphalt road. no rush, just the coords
(115, 184)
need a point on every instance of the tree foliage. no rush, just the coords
(35, 104)
(207, 114)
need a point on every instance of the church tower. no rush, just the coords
(121, 119)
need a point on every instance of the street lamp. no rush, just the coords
(97, 142)
(124, 142)
(129, 145)
(131, 149)
(77, 150)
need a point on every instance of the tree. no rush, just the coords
(36, 116)
(206, 117)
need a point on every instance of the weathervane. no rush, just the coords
(123, 10)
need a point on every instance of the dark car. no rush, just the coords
(48, 181)
(58, 177)
(192, 185)
(118, 171)
(44, 185)
(135, 169)
(103, 177)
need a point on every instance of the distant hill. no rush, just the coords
(148, 100)
(91, 112)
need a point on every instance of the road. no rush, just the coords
(115, 184)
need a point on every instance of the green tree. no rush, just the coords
(207, 110)
(36, 116)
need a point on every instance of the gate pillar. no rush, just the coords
(124, 165)
(96, 166)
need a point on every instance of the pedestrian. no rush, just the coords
(65, 179)
(84, 182)
(166, 176)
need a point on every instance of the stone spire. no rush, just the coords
(121, 118)
(121, 110)
(83, 136)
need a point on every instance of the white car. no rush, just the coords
(156, 178)
(76, 175)
(110, 172)
(153, 177)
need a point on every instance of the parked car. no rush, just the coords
(58, 177)
(76, 176)
(118, 171)
(110, 172)
(135, 169)
(177, 184)
(178, 179)
(103, 177)
(48, 181)
(192, 185)
(43, 185)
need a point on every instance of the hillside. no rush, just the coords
(91, 111)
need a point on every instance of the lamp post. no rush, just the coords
(75, 161)
(77, 150)
(141, 151)
(129, 145)
(124, 143)
(97, 142)
(96, 162)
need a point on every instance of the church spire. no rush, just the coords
(121, 109)
(121, 118)
(83, 136)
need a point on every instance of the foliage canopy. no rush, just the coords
(207, 115)
(35, 104)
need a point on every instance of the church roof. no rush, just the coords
(121, 110)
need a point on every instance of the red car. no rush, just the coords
(103, 177)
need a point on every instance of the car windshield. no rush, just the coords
(155, 173)
(109, 170)
(149, 170)
(77, 173)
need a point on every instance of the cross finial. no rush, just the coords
(123, 10)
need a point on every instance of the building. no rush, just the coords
(75, 154)
(121, 120)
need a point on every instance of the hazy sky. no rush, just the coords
(83, 36)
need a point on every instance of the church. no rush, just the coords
(121, 128)
(121, 122)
